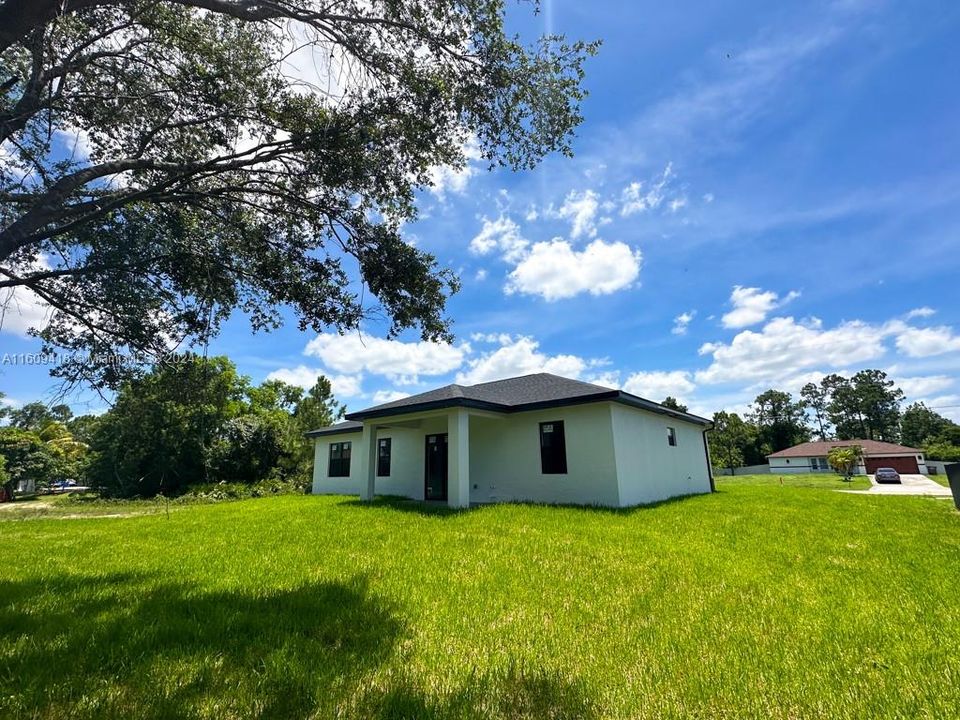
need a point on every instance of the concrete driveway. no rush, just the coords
(909, 485)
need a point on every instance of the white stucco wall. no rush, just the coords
(616, 456)
(406, 462)
(505, 457)
(648, 467)
(797, 465)
(791, 466)
(322, 483)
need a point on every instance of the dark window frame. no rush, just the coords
(339, 466)
(553, 456)
(384, 460)
(671, 436)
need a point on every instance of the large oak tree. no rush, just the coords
(163, 164)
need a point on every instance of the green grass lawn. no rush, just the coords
(940, 479)
(830, 481)
(759, 601)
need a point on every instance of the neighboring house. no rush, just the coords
(539, 438)
(812, 457)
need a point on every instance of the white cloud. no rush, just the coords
(498, 338)
(581, 210)
(385, 396)
(658, 384)
(921, 312)
(76, 143)
(610, 379)
(923, 386)
(402, 362)
(752, 305)
(784, 348)
(708, 197)
(677, 204)
(306, 377)
(682, 321)
(924, 342)
(520, 356)
(634, 200)
(946, 405)
(450, 179)
(21, 309)
(501, 235)
(554, 270)
(480, 275)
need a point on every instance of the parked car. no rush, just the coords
(61, 486)
(886, 475)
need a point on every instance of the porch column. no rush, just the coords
(458, 463)
(367, 457)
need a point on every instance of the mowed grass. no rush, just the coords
(829, 481)
(759, 601)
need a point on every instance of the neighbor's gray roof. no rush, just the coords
(528, 392)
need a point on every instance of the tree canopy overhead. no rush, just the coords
(164, 164)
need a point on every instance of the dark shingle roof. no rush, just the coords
(508, 393)
(347, 426)
(820, 449)
(528, 392)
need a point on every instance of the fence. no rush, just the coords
(936, 467)
(747, 470)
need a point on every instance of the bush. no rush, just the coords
(27, 457)
(248, 449)
(216, 492)
(943, 452)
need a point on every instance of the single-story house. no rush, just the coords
(812, 457)
(539, 438)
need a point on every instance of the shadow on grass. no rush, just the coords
(129, 646)
(441, 510)
(133, 646)
(514, 693)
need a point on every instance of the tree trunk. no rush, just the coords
(9, 489)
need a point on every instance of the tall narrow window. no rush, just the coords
(339, 460)
(671, 437)
(553, 448)
(383, 457)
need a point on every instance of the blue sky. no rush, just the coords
(761, 193)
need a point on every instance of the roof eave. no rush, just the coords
(373, 413)
(638, 402)
(322, 432)
(611, 395)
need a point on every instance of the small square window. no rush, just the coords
(671, 437)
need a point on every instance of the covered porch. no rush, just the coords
(432, 448)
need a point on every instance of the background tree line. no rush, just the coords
(866, 406)
(183, 424)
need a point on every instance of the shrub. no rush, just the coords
(27, 457)
(248, 449)
(943, 452)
